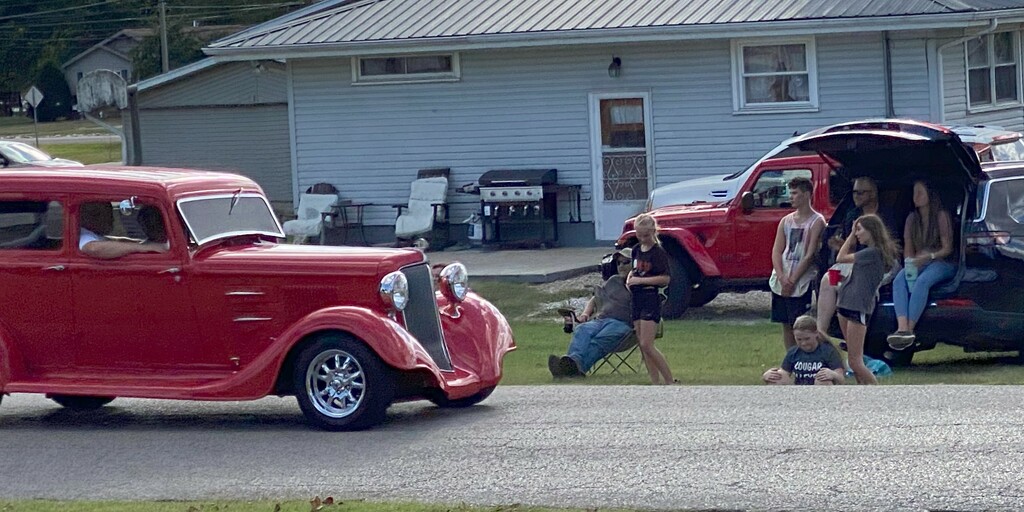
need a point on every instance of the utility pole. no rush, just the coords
(163, 36)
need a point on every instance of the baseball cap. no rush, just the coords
(626, 252)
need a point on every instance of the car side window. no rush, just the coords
(105, 219)
(771, 190)
(31, 225)
(1005, 210)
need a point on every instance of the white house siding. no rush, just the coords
(911, 90)
(250, 140)
(99, 59)
(529, 108)
(234, 83)
(954, 68)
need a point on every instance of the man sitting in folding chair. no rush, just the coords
(598, 336)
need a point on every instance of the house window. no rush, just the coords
(992, 70)
(78, 76)
(124, 74)
(411, 68)
(769, 76)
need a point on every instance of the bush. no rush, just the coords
(56, 102)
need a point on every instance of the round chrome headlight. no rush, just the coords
(394, 290)
(455, 281)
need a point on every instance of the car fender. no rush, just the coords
(477, 334)
(687, 241)
(387, 338)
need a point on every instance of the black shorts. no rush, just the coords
(646, 304)
(854, 316)
(785, 310)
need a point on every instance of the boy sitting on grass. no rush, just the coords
(814, 360)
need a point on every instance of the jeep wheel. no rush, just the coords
(701, 296)
(340, 384)
(459, 403)
(678, 290)
(81, 403)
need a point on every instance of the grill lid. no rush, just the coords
(518, 177)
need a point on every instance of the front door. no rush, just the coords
(621, 155)
(755, 230)
(135, 312)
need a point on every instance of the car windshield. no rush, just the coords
(1009, 152)
(23, 153)
(214, 217)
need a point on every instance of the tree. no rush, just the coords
(56, 95)
(181, 49)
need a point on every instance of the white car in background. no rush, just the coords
(992, 143)
(19, 154)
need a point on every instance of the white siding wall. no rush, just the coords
(954, 68)
(528, 108)
(910, 87)
(99, 59)
(234, 83)
(248, 140)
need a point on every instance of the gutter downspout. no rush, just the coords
(992, 24)
(890, 109)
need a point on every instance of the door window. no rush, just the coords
(771, 190)
(31, 225)
(144, 223)
(624, 149)
(1005, 210)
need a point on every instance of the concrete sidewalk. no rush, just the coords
(525, 265)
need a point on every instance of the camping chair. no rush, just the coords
(426, 214)
(618, 360)
(318, 199)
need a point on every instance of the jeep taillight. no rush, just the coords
(988, 238)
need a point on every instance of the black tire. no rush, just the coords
(81, 403)
(702, 295)
(898, 358)
(678, 291)
(460, 403)
(338, 367)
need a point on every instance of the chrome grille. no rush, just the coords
(421, 317)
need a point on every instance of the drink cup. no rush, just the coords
(834, 276)
(910, 271)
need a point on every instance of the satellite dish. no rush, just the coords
(102, 88)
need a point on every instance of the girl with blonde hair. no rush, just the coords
(650, 272)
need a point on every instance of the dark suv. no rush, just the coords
(982, 307)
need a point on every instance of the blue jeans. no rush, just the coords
(912, 307)
(595, 339)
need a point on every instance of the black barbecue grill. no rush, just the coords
(521, 205)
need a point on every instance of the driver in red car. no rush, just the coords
(97, 221)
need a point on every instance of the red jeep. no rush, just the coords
(727, 246)
(220, 309)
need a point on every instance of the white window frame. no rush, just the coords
(993, 104)
(453, 76)
(740, 105)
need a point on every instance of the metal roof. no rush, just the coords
(411, 20)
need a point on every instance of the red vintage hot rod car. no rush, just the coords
(220, 310)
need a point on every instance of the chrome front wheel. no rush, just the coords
(335, 383)
(341, 384)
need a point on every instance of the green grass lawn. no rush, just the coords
(23, 127)
(86, 152)
(705, 352)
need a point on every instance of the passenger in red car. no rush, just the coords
(97, 222)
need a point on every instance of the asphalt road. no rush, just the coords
(731, 448)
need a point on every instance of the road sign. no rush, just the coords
(34, 97)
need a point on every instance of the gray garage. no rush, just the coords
(221, 116)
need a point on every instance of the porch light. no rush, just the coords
(615, 68)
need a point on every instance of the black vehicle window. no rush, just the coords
(33, 225)
(1005, 210)
(838, 187)
(772, 187)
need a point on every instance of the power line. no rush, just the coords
(30, 14)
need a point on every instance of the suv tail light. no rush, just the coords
(988, 238)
